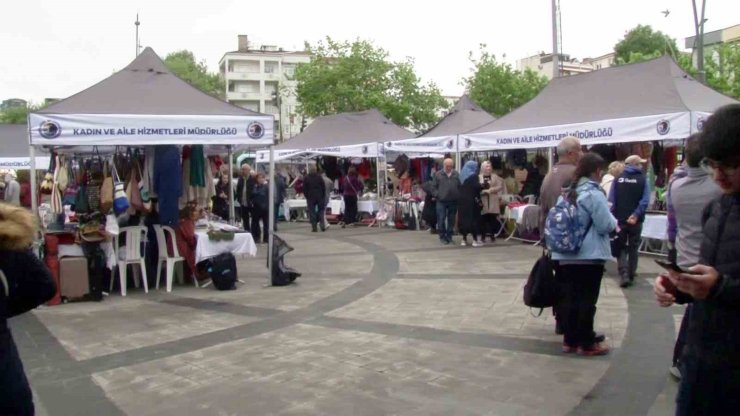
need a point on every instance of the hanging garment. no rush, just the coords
(197, 166)
(188, 193)
(149, 158)
(167, 182)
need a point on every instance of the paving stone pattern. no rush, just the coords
(382, 322)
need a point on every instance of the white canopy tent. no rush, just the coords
(647, 101)
(146, 104)
(14, 152)
(443, 137)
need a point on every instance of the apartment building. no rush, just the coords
(261, 79)
(542, 64)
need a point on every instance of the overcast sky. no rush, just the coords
(54, 48)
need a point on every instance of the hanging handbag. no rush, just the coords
(106, 191)
(56, 193)
(134, 194)
(120, 200)
(72, 189)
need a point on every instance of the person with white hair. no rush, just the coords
(12, 189)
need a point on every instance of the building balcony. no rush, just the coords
(253, 76)
(242, 96)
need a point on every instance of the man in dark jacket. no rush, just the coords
(244, 187)
(315, 193)
(629, 197)
(445, 190)
(710, 365)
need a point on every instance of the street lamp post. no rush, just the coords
(699, 39)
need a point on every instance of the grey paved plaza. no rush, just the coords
(381, 322)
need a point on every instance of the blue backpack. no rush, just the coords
(564, 232)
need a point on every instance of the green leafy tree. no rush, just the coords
(722, 67)
(18, 115)
(185, 66)
(644, 40)
(497, 87)
(356, 76)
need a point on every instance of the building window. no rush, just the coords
(289, 70)
(271, 67)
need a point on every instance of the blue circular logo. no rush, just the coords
(364, 150)
(663, 127)
(700, 123)
(255, 130)
(50, 129)
(468, 143)
(450, 144)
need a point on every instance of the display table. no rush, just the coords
(242, 244)
(294, 205)
(654, 234)
(517, 213)
(370, 206)
(75, 250)
(655, 227)
(522, 227)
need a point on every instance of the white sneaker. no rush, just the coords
(464, 243)
(477, 243)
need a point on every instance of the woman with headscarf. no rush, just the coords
(469, 205)
(491, 186)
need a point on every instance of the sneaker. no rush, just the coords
(444, 241)
(599, 338)
(675, 372)
(478, 244)
(569, 349)
(593, 350)
(624, 283)
(463, 243)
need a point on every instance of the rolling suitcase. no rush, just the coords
(73, 276)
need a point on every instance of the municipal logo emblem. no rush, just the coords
(255, 130)
(50, 129)
(663, 127)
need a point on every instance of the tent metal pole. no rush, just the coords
(271, 211)
(231, 187)
(377, 172)
(34, 199)
(457, 156)
(550, 159)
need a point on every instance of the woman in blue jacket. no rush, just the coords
(580, 273)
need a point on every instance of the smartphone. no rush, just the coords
(670, 266)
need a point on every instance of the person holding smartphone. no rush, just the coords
(710, 363)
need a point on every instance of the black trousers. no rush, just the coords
(489, 225)
(580, 284)
(315, 212)
(350, 209)
(245, 213)
(628, 241)
(707, 389)
(260, 215)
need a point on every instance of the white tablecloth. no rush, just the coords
(243, 243)
(655, 226)
(74, 250)
(370, 206)
(517, 213)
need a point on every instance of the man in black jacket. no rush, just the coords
(314, 190)
(710, 365)
(244, 187)
(629, 197)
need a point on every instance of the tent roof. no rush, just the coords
(14, 141)
(463, 117)
(347, 129)
(145, 86)
(654, 87)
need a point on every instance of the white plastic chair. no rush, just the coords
(130, 254)
(170, 261)
(530, 199)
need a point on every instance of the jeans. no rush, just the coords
(580, 284)
(315, 212)
(707, 389)
(446, 211)
(628, 242)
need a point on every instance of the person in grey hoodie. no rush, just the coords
(446, 192)
(687, 198)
